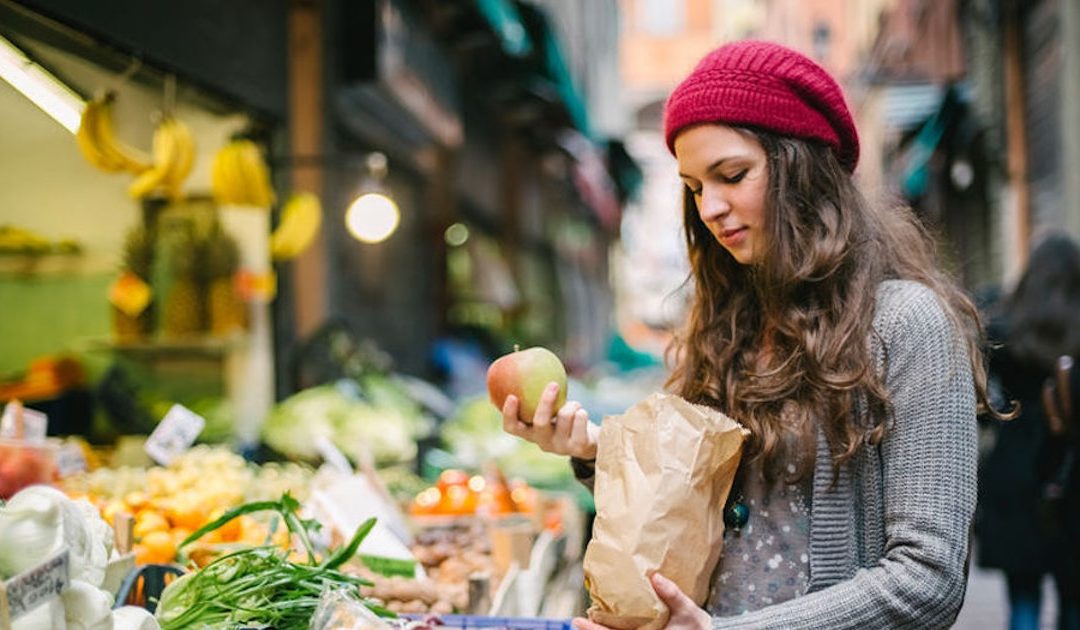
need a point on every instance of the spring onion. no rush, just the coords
(260, 586)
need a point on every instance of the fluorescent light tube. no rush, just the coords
(43, 89)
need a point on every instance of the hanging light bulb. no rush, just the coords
(373, 216)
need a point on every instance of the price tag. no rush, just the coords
(174, 434)
(32, 588)
(70, 460)
(18, 422)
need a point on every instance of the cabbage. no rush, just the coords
(48, 616)
(387, 430)
(87, 607)
(39, 520)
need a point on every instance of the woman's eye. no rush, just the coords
(693, 191)
(736, 178)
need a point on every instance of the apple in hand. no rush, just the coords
(525, 374)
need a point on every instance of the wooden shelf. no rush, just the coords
(202, 346)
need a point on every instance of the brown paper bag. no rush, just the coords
(663, 473)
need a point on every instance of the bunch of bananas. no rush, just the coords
(300, 221)
(240, 177)
(174, 154)
(99, 145)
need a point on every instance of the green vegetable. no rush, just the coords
(382, 424)
(287, 507)
(260, 586)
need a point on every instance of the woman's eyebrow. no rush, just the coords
(715, 165)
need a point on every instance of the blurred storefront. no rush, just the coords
(493, 125)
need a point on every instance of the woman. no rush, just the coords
(821, 323)
(1029, 499)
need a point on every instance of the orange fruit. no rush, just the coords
(229, 532)
(187, 514)
(147, 521)
(155, 548)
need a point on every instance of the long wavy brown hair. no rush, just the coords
(782, 344)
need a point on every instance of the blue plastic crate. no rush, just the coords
(469, 622)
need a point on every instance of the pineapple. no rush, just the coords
(182, 314)
(227, 312)
(138, 259)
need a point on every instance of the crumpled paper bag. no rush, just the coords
(663, 473)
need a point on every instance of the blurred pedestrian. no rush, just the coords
(821, 322)
(1028, 522)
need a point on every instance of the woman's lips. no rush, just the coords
(732, 236)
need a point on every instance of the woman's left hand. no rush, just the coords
(685, 614)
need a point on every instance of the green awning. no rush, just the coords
(505, 20)
(559, 72)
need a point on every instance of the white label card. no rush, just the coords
(32, 588)
(70, 460)
(174, 434)
(35, 424)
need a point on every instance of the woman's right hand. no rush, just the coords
(566, 431)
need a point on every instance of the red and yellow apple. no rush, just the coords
(525, 374)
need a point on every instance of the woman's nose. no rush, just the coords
(713, 205)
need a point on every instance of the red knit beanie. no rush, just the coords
(767, 86)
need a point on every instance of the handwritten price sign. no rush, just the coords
(32, 588)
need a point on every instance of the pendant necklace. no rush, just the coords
(736, 512)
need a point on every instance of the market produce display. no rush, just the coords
(474, 436)
(456, 493)
(261, 586)
(25, 242)
(37, 523)
(169, 503)
(373, 419)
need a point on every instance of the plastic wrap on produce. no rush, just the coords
(337, 610)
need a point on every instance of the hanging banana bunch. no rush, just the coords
(300, 220)
(173, 156)
(98, 143)
(239, 176)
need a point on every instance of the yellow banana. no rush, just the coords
(184, 149)
(238, 185)
(125, 157)
(256, 174)
(166, 157)
(98, 142)
(239, 176)
(219, 185)
(226, 182)
(300, 221)
(86, 139)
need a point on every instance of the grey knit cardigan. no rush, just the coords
(889, 541)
